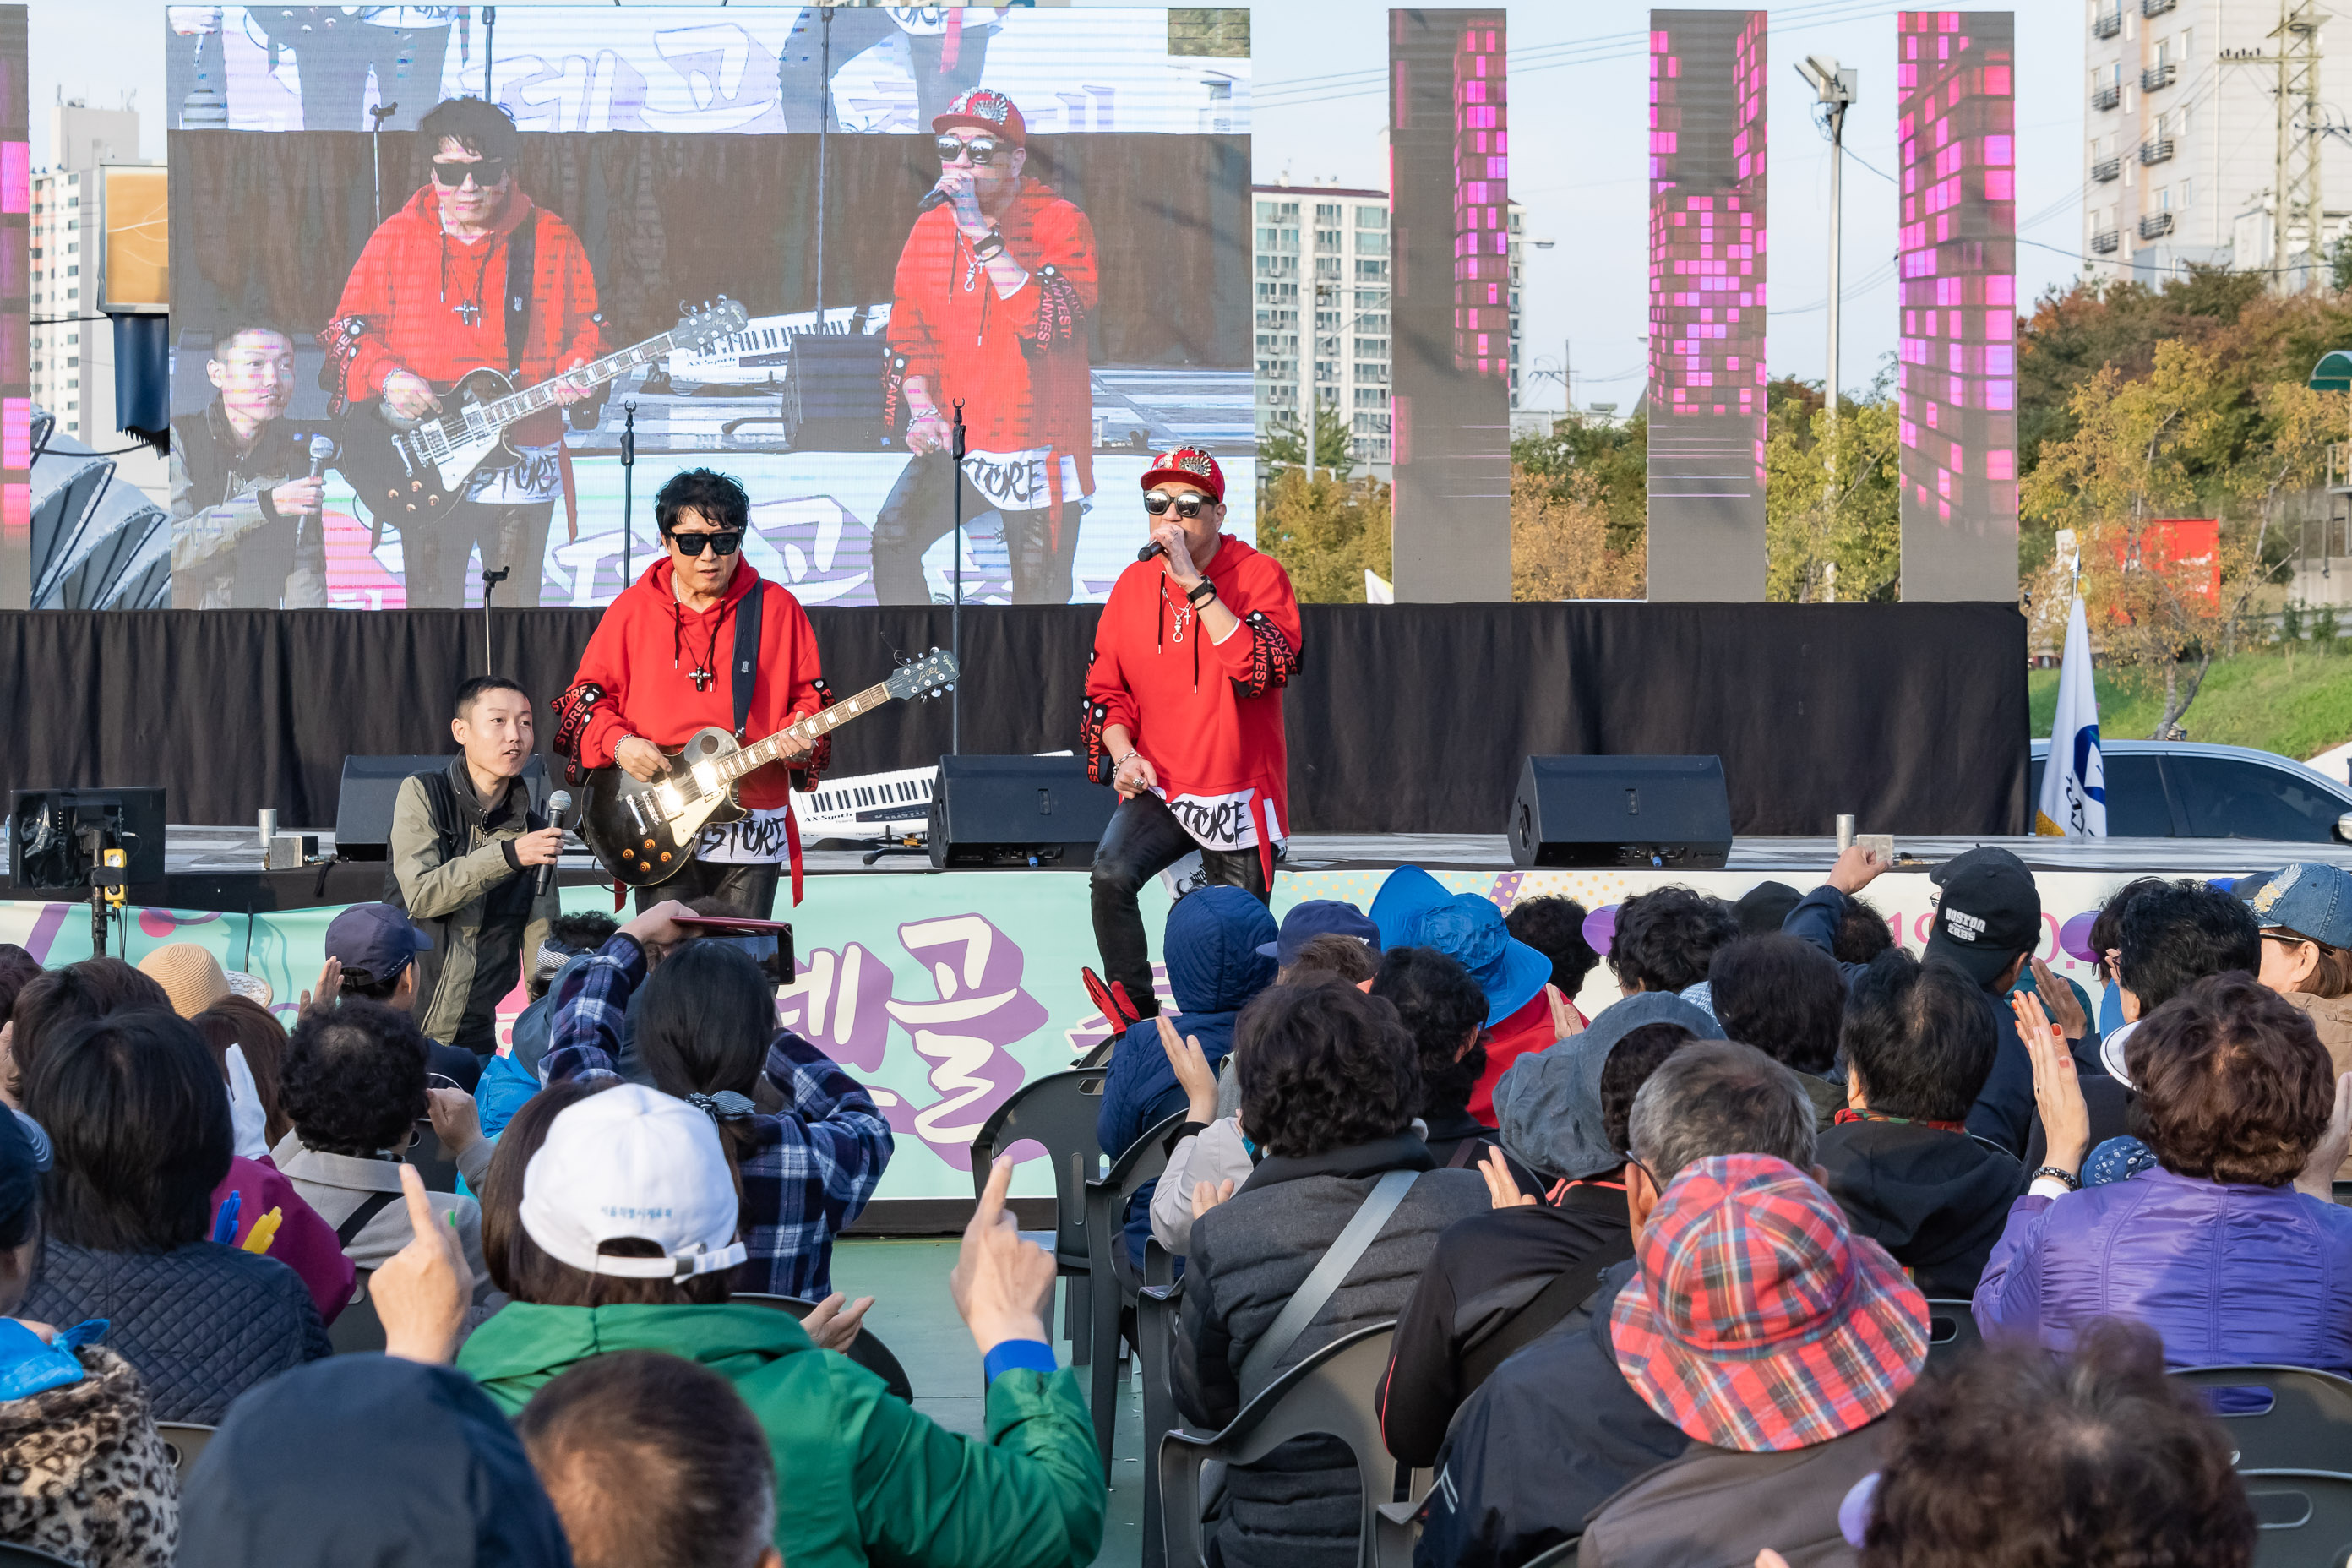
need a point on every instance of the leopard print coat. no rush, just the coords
(83, 1474)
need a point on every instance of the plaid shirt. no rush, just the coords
(810, 1171)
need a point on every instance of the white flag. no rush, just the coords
(2073, 803)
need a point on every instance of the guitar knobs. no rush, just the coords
(391, 495)
(432, 501)
(664, 856)
(417, 484)
(649, 843)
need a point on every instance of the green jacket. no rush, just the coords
(458, 879)
(860, 1476)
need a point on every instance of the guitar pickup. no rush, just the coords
(706, 778)
(671, 805)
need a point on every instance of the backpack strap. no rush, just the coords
(522, 275)
(1257, 1367)
(748, 618)
(357, 1220)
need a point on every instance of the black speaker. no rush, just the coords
(832, 392)
(1017, 811)
(48, 849)
(371, 785)
(1621, 811)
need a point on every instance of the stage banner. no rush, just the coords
(765, 241)
(1707, 305)
(1956, 103)
(946, 992)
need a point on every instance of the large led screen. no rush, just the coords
(1958, 378)
(765, 240)
(1707, 305)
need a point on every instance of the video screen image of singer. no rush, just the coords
(432, 278)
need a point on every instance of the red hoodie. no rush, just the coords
(399, 309)
(1207, 716)
(649, 642)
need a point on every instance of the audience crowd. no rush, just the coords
(1660, 1282)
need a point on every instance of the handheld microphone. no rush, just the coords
(931, 198)
(557, 804)
(1150, 549)
(322, 452)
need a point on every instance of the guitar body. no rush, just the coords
(646, 833)
(410, 473)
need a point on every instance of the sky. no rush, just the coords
(1577, 157)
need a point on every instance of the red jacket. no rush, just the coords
(1020, 364)
(399, 306)
(1207, 716)
(649, 642)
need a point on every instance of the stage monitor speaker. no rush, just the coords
(1017, 811)
(370, 784)
(48, 851)
(1621, 811)
(832, 392)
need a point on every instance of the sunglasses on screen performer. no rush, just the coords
(726, 540)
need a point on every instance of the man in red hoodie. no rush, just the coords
(429, 300)
(660, 665)
(990, 308)
(1183, 712)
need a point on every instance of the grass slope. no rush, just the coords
(2295, 707)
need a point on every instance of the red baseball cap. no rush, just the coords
(985, 109)
(1191, 465)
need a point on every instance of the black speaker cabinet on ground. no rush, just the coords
(1621, 811)
(370, 784)
(1017, 811)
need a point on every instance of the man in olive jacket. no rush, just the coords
(466, 847)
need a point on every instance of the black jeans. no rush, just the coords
(918, 514)
(1144, 838)
(434, 558)
(746, 890)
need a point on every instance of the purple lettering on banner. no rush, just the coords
(46, 926)
(837, 1005)
(965, 1035)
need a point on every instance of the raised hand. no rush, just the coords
(833, 1323)
(1502, 1188)
(2057, 1092)
(1192, 1072)
(1206, 1196)
(421, 1290)
(2066, 1007)
(1000, 1282)
(331, 985)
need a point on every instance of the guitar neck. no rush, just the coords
(792, 739)
(521, 404)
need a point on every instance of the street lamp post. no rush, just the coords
(1834, 88)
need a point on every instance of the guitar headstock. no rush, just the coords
(926, 677)
(720, 317)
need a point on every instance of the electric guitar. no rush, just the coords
(411, 471)
(646, 832)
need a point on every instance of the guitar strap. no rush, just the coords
(522, 274)
(747, 655)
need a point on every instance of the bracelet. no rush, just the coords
(2073, 1183)
(1133, 753)
(1201, 593)
(988, 247)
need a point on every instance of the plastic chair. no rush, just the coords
(2304, 1424)
(2302, 1518)
(1329, 1393)
(1951, 1330)
(1057, 1111)
(866, 1350)
(185, 1440)
(1108, 1262)
(432, 1161)
(15, 1556)
(357, 1330)
(1155, 1340)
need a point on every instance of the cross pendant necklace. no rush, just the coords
(466, 312)
(702, 678)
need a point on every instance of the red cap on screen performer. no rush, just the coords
(984, 109)
(1191, 465)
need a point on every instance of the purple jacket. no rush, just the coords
(2229, 1275)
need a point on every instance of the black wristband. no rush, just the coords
(2073, 1183)
(988, 247)
(1201, 593)
(268, 505)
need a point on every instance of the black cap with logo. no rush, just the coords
(1989, 912)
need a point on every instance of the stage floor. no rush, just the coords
(212, 854)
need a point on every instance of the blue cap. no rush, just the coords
(1413, 909)
(377, 937)
(1321, 917)
(2309, 898)
(21, 1163)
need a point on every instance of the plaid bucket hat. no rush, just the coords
(1756, 1320)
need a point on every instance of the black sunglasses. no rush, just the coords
(486, 172)
(725, 541)
(1189, 505)
(983, 149)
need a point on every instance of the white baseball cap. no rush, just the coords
(633, 1162)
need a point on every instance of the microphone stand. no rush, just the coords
(490, 580)
(376, 117)
(628, 491)
(955, 613)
